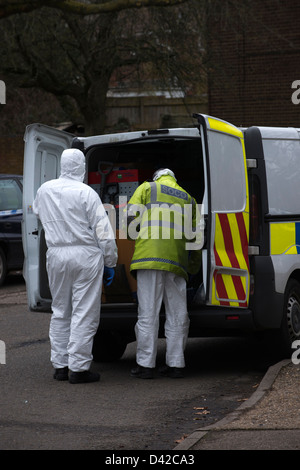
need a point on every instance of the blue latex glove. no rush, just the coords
(108, 275)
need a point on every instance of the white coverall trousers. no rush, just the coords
(153, 287)
(75, 279)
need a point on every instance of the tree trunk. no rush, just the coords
(94, 124)
(94, 106)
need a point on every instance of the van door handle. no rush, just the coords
(36, 232)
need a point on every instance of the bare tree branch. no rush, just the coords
(8, 8)
(78, 58)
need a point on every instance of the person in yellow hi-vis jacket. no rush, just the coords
(165, 252)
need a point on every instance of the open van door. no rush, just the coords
(226, 205)
(43, 148)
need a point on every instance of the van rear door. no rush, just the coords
(226, 204)
(43, 148)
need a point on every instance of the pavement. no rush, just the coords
(268, 420)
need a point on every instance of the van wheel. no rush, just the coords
(290, 327)
(108, 346)
(3, 266)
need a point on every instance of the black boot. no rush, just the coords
(173, 372)
(142, 372)
(61, 374)
(83, 377)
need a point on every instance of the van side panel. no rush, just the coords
(274, 219)
(266, 303)
(285, 238)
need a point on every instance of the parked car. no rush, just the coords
(11, 214)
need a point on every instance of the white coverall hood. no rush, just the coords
(72, 164)
(163, 172)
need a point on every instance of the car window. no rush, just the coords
(10, 195)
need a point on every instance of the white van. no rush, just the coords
(248, 183)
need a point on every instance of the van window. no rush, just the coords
(49, 165)
(282, 159)
(227, 173)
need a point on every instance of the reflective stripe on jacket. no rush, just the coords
(166, 215)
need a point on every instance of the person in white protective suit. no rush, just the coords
(161, 263)
(81, 253)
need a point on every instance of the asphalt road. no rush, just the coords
(119, 412)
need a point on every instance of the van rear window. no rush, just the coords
(227, 173)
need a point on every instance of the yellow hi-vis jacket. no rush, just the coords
(165, 224)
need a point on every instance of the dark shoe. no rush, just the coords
(173, 372)
(83, 377)
(61, 374)
(142, 372)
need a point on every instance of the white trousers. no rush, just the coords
(75, 280)
(153, 288)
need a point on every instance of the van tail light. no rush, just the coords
(255, 210)
(251, 284)
(254, 218)
(232, 317)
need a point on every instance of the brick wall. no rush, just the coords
(11, 154)
(254, 57)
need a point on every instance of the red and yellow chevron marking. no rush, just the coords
(231, 251)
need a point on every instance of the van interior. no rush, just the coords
(123, 166)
